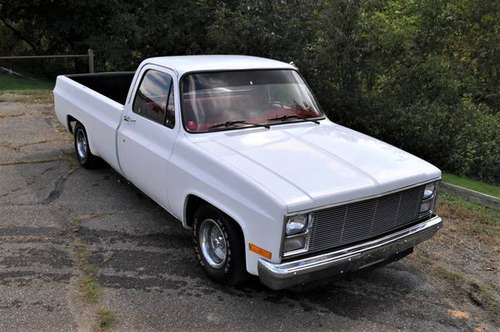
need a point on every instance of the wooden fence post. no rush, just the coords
(91, 60)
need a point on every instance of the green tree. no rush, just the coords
(420, 74)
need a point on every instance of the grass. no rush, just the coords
(476, 219)
(106, 319)
(479, 186)
(11, 82)
(89, 287)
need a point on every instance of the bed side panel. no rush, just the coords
(99, 114)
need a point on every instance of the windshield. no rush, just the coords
(213, 101)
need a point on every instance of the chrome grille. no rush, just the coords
(345, 224)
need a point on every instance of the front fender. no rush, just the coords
(258, 213)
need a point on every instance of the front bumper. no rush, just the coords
(284, 275)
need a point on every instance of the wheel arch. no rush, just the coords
(194, 201)
(70, 121)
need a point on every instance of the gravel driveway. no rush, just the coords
(85, 250)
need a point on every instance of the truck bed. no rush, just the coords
(112, 85)
(96, 101)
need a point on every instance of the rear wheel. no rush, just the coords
(82, 148)
(219, 246)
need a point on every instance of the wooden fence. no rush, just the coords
(89, 55)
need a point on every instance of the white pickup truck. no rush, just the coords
(238, 150)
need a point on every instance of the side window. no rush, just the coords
(152, 98)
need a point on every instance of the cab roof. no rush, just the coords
(195, 63)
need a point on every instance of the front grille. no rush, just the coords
(345, 224)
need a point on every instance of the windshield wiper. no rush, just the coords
(231, 123)
(286, 117)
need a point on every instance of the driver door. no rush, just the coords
(147, 133)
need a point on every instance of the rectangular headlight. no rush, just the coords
(429, 191)
(426, 205)
(428, 198)
(295, 243)
(297, 234)
(296, 224)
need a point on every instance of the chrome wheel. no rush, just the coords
(81, 144)
(213, 243)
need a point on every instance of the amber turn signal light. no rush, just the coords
(260, 251)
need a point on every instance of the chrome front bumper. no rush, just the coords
(284, 275)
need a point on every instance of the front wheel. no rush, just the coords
(219, 246)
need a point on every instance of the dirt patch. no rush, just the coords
(464, 258)
(28, 97)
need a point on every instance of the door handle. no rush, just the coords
(128, 119)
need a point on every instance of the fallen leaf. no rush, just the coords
(459, 314)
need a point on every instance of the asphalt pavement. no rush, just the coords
(85, 250)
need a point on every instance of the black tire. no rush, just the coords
(83, 154)
(233, 269)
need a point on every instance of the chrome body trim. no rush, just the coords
(287, 274)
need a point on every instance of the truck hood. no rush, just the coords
(306, 165)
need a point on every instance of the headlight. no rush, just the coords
(426, 206)
(296, 224)
(428, 198)
(294, 243)
(429, 191)
(297, 234)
